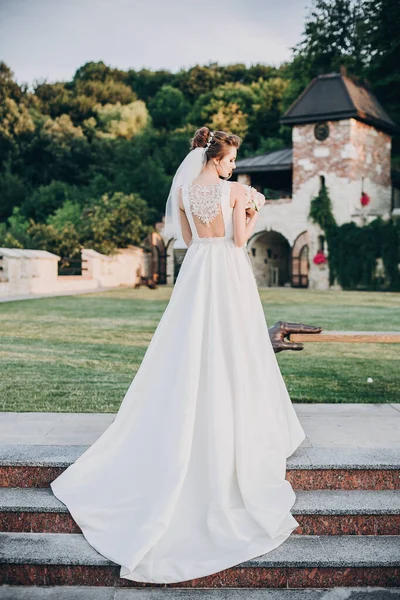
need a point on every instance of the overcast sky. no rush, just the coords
(50, 39)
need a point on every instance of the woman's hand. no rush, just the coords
(250, 212)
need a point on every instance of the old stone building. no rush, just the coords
(341, 138)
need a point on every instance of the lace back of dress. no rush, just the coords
(205, 205)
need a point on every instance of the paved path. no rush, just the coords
(62, 293)
(326, 425)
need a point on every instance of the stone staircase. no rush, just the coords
(347, 506)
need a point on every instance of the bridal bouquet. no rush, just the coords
(254, 199)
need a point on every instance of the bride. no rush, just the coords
(189, 478)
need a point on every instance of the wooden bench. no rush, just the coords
(375, 337)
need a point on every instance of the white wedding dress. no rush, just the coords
(189, 478)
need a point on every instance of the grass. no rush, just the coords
(80, 353)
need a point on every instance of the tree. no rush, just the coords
(15, 121)
(146, 83)
(168, 109)
(264, 128)
(46, 199)
(333, 36)
(54, 99)
(97, 71)
(8, 87)
(13, 233)
(139, 168)
(13, 191)
(198, 80)
(69, 213)
(228, 107)
(383, 69)
(57, 150)
(105, 92)
(114, 221)
(64, 242)
(120, 121)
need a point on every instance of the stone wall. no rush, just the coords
(354, 157)
(32, 272)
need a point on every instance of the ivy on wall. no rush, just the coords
(321, 209)
(354, 250)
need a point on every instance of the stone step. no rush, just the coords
(300, 562)
(108, 593)
(319, 512)
(307, 469)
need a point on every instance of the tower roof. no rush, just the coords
(334, 97)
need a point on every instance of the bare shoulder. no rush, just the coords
(237, 193)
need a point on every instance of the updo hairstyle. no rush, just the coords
(219, 145)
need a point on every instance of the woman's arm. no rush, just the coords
(242, 229)
(185, 226)
(251, 223)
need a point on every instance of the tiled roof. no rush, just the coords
(279, 160)
(333, 97)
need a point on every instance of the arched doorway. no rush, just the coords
(300, 261)
(269, 253)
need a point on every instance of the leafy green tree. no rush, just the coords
(13, 191)
(142, 172)
(54, 99)
(198, 80)
(107, 92)
(93, 83)
(146, 83)
(336, 34)
(333, 36)
(64, 242)
(228, 107)
(8, 87)
(114, 221)
(383, 69)
(257, 71)
(120, 121)
(46, 199)
(57, 150)
(7, 240)
(62, 130)
(15, 121)
(13, 232)
(106, 223)
(264, 128)
(168, 108)
(97, 71)
(70, 212)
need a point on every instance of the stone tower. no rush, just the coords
(341, 133)
(342, 139)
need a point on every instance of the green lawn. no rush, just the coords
(80, 353)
